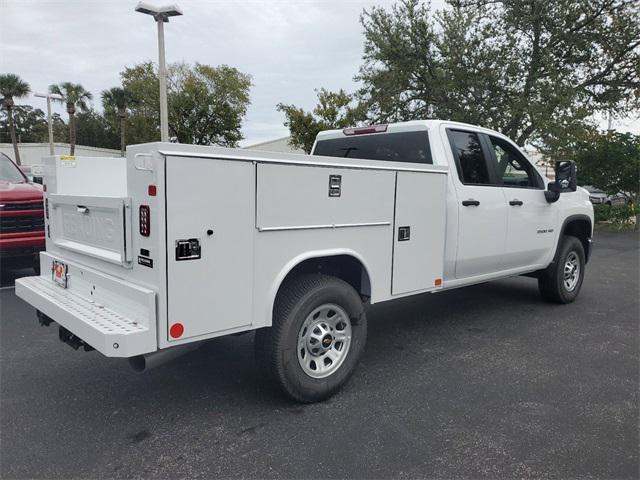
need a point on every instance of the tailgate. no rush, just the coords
(99, 227)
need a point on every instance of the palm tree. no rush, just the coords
(12, 86)
(118, 100)
(75, 97)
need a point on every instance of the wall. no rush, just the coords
(32, 153)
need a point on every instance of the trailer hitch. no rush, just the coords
(43, 320)
(72, 340)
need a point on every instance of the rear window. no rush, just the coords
(411, 147)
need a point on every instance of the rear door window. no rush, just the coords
(411, 147)
(470, 158)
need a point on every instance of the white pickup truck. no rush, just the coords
(150, 255)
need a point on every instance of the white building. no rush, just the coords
(280, 145)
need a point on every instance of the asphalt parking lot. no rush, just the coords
(487, 381)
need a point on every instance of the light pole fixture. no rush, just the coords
(49, 97)
(161, 15)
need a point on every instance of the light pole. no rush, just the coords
(161, 16)
(49, 96)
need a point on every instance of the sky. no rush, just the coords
(289, 47)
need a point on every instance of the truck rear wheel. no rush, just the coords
(562, 281)
(317, 338)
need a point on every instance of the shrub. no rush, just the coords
(619, 216)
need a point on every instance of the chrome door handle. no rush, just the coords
(470, 202)
(82, 209)
(516, 203)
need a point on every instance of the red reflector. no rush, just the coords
(176, 330)
(145, 220)
(363, 130)
(152, 190)
(438, 282)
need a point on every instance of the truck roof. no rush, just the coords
(409, 126)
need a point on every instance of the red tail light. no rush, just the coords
(145, 220)
(363, 130)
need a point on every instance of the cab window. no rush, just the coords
(512, 167)
(469, 157)
(411, 147)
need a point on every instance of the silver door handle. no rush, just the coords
(82, 209)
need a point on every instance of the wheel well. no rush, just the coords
(581, 229)
(345, 267)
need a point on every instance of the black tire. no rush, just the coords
(276, 347)
(551, 281)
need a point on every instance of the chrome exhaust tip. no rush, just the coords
(142, 363)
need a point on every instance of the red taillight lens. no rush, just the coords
(145, 220)
(363, 130)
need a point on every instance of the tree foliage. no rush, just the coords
(333, 110)
(206, 104)
(29, 123)
(12, 87)
(116, 102)
(75, 97)
(525, 68)
(610, 162)
(143, 123)
(93, 129)
(536, 71)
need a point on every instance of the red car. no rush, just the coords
(21, 216)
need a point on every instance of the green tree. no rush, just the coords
(94, 130)
(206, 104)
(333, 110)
(116, 102)
(75, 97)
(30, 124)
(611, 162)
(143, 121)
(12, 87)
(524, 68)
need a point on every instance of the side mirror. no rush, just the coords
(566, 180)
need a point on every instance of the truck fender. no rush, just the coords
(586, 243)
(294, 262)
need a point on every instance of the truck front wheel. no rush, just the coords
(317, 338)
(561, 282)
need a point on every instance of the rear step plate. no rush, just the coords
(109, 332)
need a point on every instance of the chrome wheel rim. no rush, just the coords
(571, 271)
(324, 340)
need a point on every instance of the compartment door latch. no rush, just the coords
(335, 185)
(188, 249)
(404, 234)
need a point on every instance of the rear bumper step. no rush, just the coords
(109, 332)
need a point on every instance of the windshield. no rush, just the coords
(412, 147)
(9, 172)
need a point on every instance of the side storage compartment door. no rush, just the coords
(419, 231)
(210, 225)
